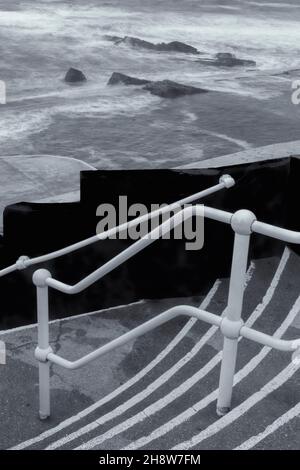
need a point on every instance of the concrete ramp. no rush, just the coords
(258, 154)
(161, 393)
(39, 178)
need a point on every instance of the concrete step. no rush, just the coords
(188, 426)
(149, 360)
(240, 424)
(73, 392)
(179, 394)
(264, 271)
(170, 401)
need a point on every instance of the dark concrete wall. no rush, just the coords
(293, 200)
(164, 269)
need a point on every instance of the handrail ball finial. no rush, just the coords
(40, 276)
(227, 180)
(242, 221)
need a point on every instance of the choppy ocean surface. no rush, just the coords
(126, 127)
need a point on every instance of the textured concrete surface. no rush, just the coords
(268, 152)
(72, 391)
(153, 404)
(39, 178)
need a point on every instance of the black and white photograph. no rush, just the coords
(149, 232)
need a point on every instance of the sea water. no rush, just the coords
(127, 127)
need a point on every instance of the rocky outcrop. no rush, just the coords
(174, 46)
(170, 89)
(74, 76)
(136, 42)
(120, 78)
(230, 60)
(162, 88)
(226, 59)
(294, 73)
(112, 38)
(177, 46)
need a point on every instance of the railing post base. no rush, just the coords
(222, 411)
(227, 375)
(43, 417)
(44, 390)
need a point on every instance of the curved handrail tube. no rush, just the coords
(283, 234)
(243, 223)
(136, 332)
(132, 250)
(8, 270)
(271, 341)
(167, 226)
(217, 214)
(186, 310)
(226, 181)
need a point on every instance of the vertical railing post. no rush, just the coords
(43, 348)
(241, 223)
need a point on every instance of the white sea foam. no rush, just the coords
(272, 4)
(15, 126)
(42, 39)
(271, 42)
(25, 117)
(129, 105)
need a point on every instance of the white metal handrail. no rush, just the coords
(138, 246)
(180, 310)
(136, 332)
(225, 181)
(243, 223)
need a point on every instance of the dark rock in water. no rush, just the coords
(74, 76)
(289, 73)
(174, 46)
(230, 60)
(225, 56)
(169, 89)
(120, 78)
(226, 59)
(136, 42)
(111, 38)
